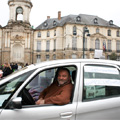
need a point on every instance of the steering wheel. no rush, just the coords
(27, 98)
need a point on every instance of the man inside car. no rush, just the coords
(59, 92)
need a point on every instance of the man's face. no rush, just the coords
(63, 77)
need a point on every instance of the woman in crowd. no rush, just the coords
(6, 70)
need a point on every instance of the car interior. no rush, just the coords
(42, 80)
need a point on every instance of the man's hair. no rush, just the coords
(64, 69)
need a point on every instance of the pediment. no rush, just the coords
(98, 35)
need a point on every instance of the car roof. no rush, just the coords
(58, 62)
(47, 63)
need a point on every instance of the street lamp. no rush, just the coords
(85, 30)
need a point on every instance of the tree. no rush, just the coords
(113, 56)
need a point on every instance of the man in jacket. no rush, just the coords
(59, 92)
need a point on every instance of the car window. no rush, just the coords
(7, 89)
(42, 80)
(100, 81)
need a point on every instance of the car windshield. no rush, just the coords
(7, 89)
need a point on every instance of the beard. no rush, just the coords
(62, 82)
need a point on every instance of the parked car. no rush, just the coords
(96, 93)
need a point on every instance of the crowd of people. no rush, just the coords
(7, 69)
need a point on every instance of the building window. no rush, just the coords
(85, 56)
(55, 45)
(118, 45)
(108, 57)
(118, 33)
(19, 13)
(109, 45)
(48, 34)
(97, 30)
(38, 46)
(74, 30)
(95, 21)
(54, 23)
(38, 58)
(47, 57)
(111, 22)
(54, 57)
(45, 24)
(74, 56)
(78, 19)
(118, 58)
(47, 46)
(74, 43)
(109, 32)
(97, 44)
(54, 32)
(39, 34)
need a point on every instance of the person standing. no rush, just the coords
(7, 69)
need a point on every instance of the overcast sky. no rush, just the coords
(106, 9)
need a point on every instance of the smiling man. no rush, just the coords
(59, 92)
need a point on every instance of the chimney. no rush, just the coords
(48, 17)
(59, 15)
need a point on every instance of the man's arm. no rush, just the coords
(42, 95)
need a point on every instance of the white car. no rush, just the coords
(96, 93)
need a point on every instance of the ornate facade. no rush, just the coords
(58, 38)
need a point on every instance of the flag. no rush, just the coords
(104, 46)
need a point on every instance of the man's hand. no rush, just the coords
(40, 102)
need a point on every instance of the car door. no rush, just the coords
(44, 112)
(99, 92)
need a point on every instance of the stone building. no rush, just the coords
(55, 38)
(16, 38)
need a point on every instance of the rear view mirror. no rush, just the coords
(16, 103)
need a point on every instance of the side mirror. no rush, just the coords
(16, 103)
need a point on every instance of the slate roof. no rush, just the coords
(72, 19)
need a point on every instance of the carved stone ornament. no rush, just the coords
(18, 37)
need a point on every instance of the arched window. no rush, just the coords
(19, 13)
(97, 44)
